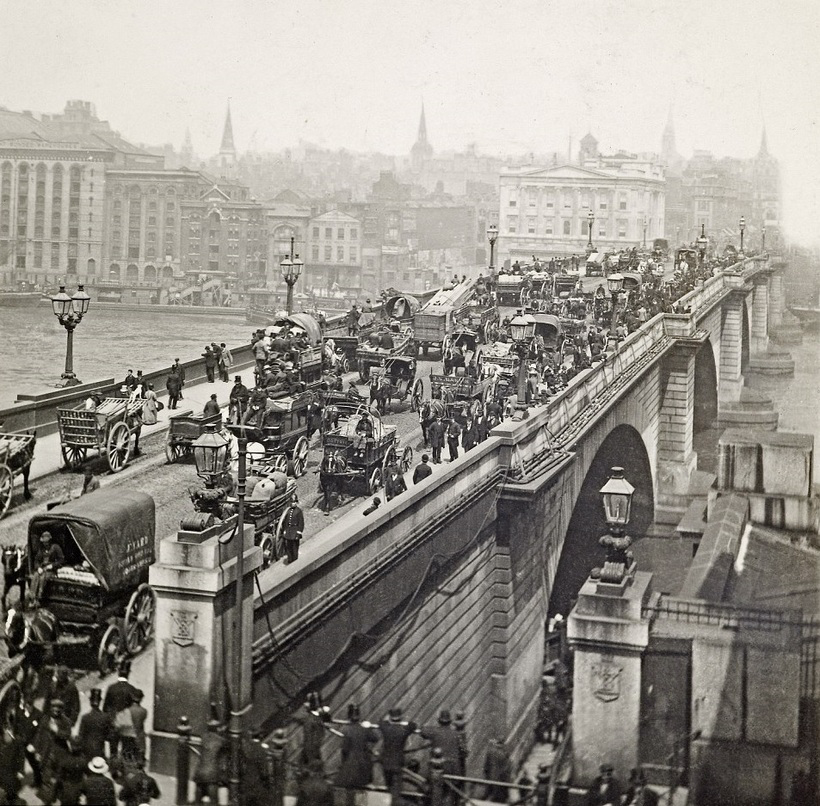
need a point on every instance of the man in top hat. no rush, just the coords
(605, 790)
(118, 699)
(395, 732)
(446, 739)
(356, 767)
(238, 400)
(435, 436)
(47, 560)
(95, 728)
(98, 787)
(313, 717)
(294, 526)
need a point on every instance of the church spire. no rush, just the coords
(764, 145)
(421, 150)
(422, 138)
(228, 149)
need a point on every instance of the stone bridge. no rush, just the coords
(441, 597)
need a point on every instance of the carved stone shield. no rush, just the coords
(184, 625)
(606, 680)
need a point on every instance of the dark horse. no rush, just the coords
(380, 393)
(14, 571)
(33, 635)
(333, 465)
(430, 409)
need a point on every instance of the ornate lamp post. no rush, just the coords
(614, 282)
(70, 312)
(492, 236)
(645, 225)
(703, 242)
(763, 239)
(522, 330)
(742, 225)
(617, 499)
(291, 268)
(212, 458)
(590, 222)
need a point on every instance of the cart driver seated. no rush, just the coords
(386, 340)
(47, 559)
(364, 432)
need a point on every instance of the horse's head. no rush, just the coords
(17, 633)
(13, 559)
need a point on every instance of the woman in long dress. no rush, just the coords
(149, 406)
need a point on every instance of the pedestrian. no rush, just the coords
(180, 370)
(12, 762)
(256, 782)
(138, 787)
(210, 363)
(497, 767)
(118, 699)
(238, 400)
(443, 736)
(423, 469)
(435, 436)
(150, 406)
(130, 381)
(71, 774)
(605, 790)
(173, 385)
(356, 766)
(61, 687)
(469, 437)
(95, 728)
(98, 787)
(90, 482)
(227, 360)
(213, 761)
(293, 521)
(313, 717)
(453, 437)
(482, 428)
(638, 792)
(313, 789)
(212, 408)
(395, 732)
(50, 743)
(139, 715)
(394, 483)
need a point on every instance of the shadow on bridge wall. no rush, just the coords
(706, 389)
(623, 447)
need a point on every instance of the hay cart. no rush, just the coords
(184, 429)
(16, 454)
(100, 597)
(107, 430)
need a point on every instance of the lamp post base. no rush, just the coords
(521, 412)
(68, 379)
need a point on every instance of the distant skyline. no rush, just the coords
(512, 78)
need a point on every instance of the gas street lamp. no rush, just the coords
(70, 312)
(616, 495)
(522, 330)
(702, 242)
(742, 225)
(212, 459)
(645, 225)
(590, 222)
(763, 239)
(291, 268)
(614, 282)
(492, 235)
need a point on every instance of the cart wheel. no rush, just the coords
(489, 392)
(300, 455)
(418, 395)
(362, 372)
(279, 463)
(476, 407)
(11, 695)
(375, 482)
(109, 650)
(389, 457)
(118, 447)
(174, 451)
(345, 365)
(73, 456)
(6, 488)
(406, 459)
(139, 618)
(268, 550)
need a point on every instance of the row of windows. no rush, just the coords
(340, 254)
(340, 233)
(566, 228)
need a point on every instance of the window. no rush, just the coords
(584, 227)
(602, 229)
(354, 233)
(513, 203)
(328, 253)
(214, 249)
(314, 252)
(531, 226)
(316, 232)
(38, 255)
(548, 228)
(603, 204)
(340, 233)
(370, 263)
(567, 228)
(134, 252)
(568, 201)
(622, 227)
(703, 205)
(169, 221)
(622, 202)
(532, 200)
(353, 254)
(328, 232)
(340, 253)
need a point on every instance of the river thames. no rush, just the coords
(106, 344)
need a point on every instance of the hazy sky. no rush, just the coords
(509, 76)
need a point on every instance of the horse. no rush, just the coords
(33, 635)
(380, 393)
(315, 419)
(330, 419)
(14, 571)
(333, 464)
(428, 411)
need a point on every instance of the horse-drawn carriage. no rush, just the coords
(107, 429)
(184, 429)
(283, 431)
(433, 323)
(16, 454)
(99, 597)
(510, 289)
(395, 379)
(381, 345)
(357, 455)
(300, 338)
(463, 392)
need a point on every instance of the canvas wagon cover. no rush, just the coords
(411, 306)
(547, 322)
(114, 531)
(306, 322)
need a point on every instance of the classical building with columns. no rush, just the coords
(546, 211)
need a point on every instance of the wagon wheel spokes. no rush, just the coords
(174, 451)
(345, 365)
(139, 618)
(406, 459)
(73, 456)
(11, 696)
(375, 482)
(118, 447)
(363, 376)
(268, 550)
(279, 463)
(6, 488)
(389, 456)
(418, 395)
(300, 456)
(109, 650)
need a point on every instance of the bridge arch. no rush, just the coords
(706, 388)
(623, 447)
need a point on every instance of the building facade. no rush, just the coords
(545, 211)
(334, 259)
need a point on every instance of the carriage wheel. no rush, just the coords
(118, 447)
(11, 695)
(445, 344)
(418, 395)
(268, 550)
(375, 482)
(362, 370)
(73, 456)
(476, 407)
(345, 362)
(479, 361)
(174, 451)
(109, 650)
(406, 459)
(300, 456)
(139, 618)
(6, 488)
(525, 295)
(389, 457)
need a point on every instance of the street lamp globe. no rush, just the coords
(286, 267)
(80, 301)
(61, 303)
(519, 327)
(298, 265)
(211, 454)
(617, 498)
(615, 282)
(531, 322)
(492, 232)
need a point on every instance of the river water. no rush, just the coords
(106, 344)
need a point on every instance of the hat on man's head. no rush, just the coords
(395, 714)
(45, 536)
(606, 768)
(353, 713)
(125, 668)
(444, 717)
(95, 695)
(98, 765)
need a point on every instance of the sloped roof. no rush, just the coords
(16, 126)
(335, 215)
(565, 172)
